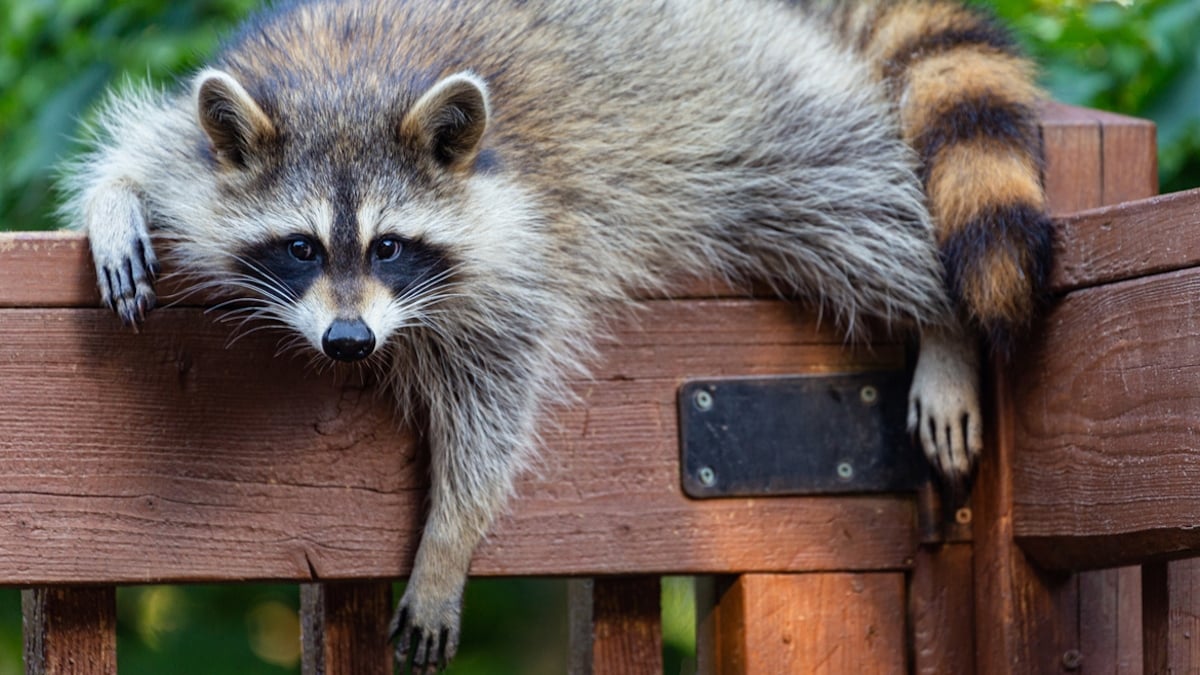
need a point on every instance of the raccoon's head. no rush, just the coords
(344, 228)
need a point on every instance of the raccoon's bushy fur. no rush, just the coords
(539, 162)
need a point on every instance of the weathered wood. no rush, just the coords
(1170, 595)
(1110, 621)
(1126, 241)
(626, 626)
(1106, 408)
(70, 631)
(1026, 620)
(46, 269)
(810, 623)
(941, 610)
(345, 627)
(181, 460)
(1110, 600)
(1073, 176)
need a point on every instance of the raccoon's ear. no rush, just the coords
(234, 123)
(449, 120)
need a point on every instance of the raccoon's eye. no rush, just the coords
(302, 249)
(387, 249)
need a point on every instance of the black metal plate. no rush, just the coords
(826, 434)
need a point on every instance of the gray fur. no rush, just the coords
(628, 145)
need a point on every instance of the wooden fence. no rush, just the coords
(168, 457)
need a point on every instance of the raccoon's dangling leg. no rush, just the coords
(943, 404)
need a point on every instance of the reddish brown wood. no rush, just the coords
(626, 626)
(1130, 157)
(1105, 414)
(941, 609)
(1073, 173)
(1110, 636)
(1110, 621)
(1171, 592)
(70, 631)
(1026, 620)
(345, 627)
(181, 460)
(46, 269)
(1126, 241)
(811, 623)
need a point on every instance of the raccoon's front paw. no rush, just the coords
(125, 271)
(425, 631)
(943, 407)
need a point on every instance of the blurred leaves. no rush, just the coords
(58, 56)
(1139, 58)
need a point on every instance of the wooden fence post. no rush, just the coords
(344, 628)
(70, 631)
(616, 626)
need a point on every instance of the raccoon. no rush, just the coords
(462, 191)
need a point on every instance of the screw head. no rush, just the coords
(868, 395)
(963, 516)
(1072, 659)
(845, 471)
(707, 476)
(703, 400)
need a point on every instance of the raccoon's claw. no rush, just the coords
(425, 646)
(944, 411)
(127, 281)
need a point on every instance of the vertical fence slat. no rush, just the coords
(942, 610)
(1171, 629)
(344, 628)
(616, 626)
(627, 626)
(70, 631)
(808, 623)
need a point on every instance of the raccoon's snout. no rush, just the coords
(348, 340)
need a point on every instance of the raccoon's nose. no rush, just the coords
(348, 340)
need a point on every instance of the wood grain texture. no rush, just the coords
(626, 626)
(1125, 241)
(1110, 621)
(70, 631)
(941, 610)
(1171, 592)
(1110, 636)
(172, 458)
(1025, 619)
(823, 624)
(1106, 408)
(1074, 170)
(344, 628)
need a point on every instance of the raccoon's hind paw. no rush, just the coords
(943, 407)
(425, 637)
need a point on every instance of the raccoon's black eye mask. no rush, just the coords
(294, 262)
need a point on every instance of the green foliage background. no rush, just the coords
(1138, 57)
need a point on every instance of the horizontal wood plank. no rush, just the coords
(1108, 465)
(1125, 241)
(169, 457)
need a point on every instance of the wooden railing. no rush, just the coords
(173, 457)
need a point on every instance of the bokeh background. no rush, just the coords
(1138, 57)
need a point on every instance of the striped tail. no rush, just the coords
(967, 105)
